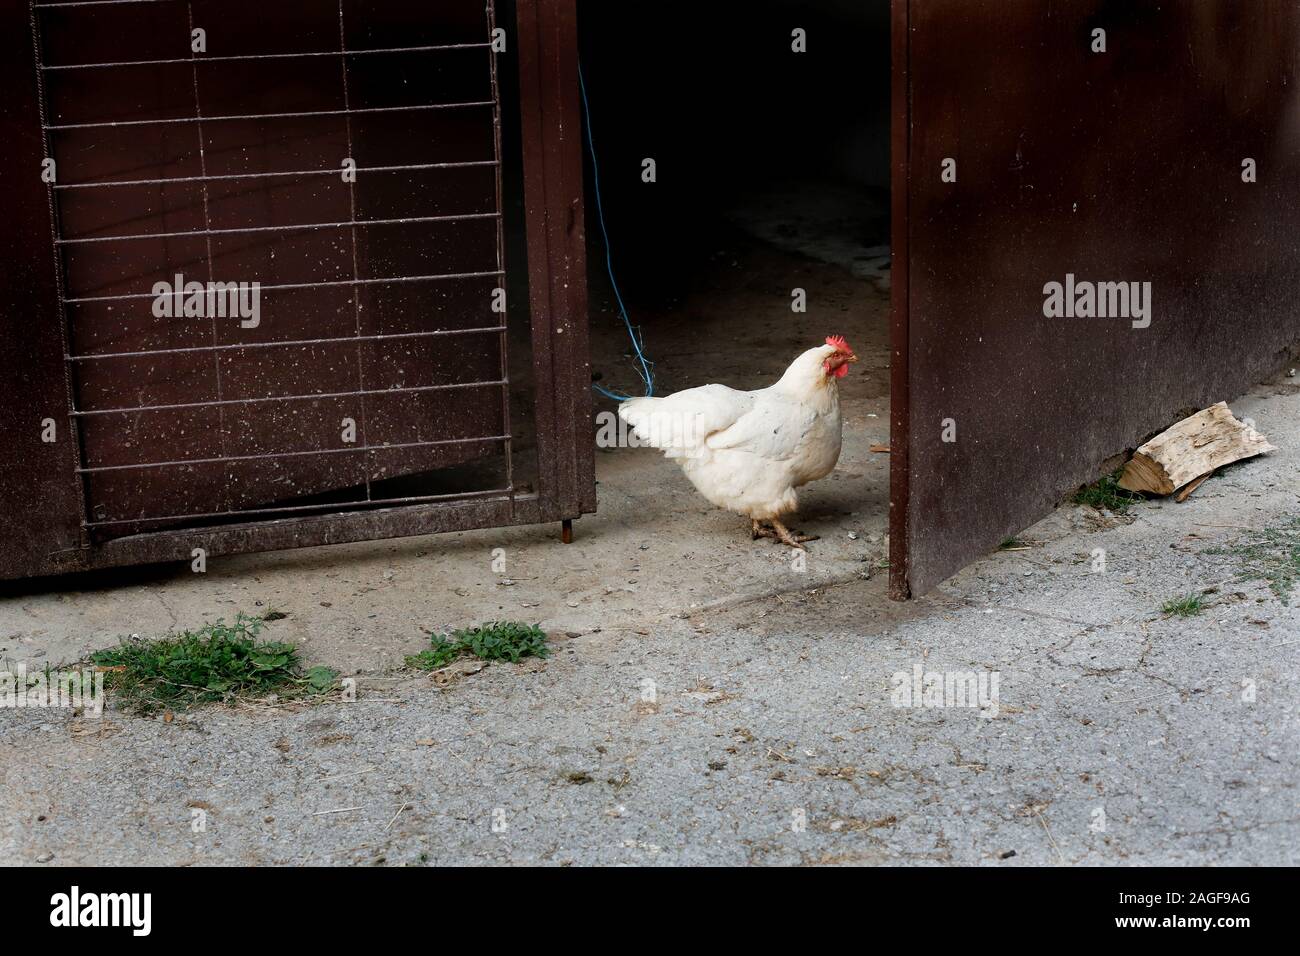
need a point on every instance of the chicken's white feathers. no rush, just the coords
(681, 423)
(748, 451)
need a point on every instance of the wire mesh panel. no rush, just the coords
(279, 232)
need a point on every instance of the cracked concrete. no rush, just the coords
(716, 706)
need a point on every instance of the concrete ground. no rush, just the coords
(708, 701)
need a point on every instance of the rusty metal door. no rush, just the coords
(1070, 142)
(257, 290)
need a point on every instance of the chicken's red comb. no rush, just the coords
(839, 343)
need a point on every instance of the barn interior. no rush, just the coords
(771, 175)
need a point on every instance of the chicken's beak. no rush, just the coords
(852, 357)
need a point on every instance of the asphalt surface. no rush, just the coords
(720, 702)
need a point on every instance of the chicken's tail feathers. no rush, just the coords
(662, 424)
(634, 408)
(646, 416)
(681, 423)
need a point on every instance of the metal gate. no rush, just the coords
(281, 307)
(1139, 141)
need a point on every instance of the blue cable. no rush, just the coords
(633, 333)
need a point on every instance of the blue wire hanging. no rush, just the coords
(633, 332)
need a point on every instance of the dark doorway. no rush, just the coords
(771, 170)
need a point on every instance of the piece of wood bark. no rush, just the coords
(880, 448)
(1194, 447)
(1190, 487)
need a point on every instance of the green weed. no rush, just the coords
(1186, 606)
(1106, 493)
(218, 662)
(493, 641)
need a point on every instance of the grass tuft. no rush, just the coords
(1106, 493)
(218, 662)
(493, 641)
(1186, 606)
(1272, 556)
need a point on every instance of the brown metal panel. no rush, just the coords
(552, 153)
(567, 241)
(313, 530)
(40, 496)
(198, 436)
(572, 353)
(1122, 166)
(899, 138)
(183, 419)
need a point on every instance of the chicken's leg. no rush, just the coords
(788, 537)
(780, 532)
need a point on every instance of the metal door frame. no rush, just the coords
(900, 124)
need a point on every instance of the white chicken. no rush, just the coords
(749, 451)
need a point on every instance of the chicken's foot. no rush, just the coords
(779, 531)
